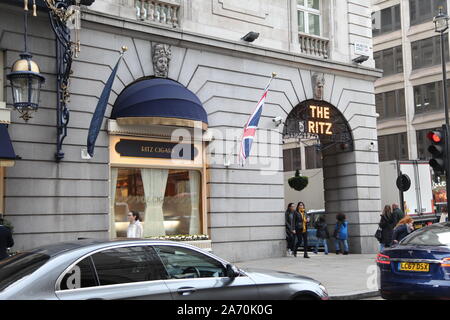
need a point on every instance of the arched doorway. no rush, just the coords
(318, 141)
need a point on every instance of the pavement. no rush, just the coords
(350, 277)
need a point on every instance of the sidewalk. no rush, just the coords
(346, 277)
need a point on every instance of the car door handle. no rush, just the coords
(185, 291)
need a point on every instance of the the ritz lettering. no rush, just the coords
(320, 127)
(156, 149)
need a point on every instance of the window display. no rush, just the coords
(168, 201)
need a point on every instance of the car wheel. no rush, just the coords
(304, 296)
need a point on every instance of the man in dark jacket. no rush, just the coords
(6, 240)
(290, 222)
(397, 213)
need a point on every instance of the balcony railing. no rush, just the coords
(162, 12)
(314, 46)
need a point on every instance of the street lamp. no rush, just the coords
(26, 81)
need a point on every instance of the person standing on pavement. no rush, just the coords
(403, 228)
(341, 234)
(397, 213)
(6, 240)
(290, 220)
(135, 229)
(302, 229)
(322, 235)
(387, 224)
(444, 215)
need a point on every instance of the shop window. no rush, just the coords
(393, 147)
(390, 60)
(309, 17)
(2, 191)
(292, 159)
(386, 20)
(423, 11)
(127, 265)
(427, 52)
(168, 201)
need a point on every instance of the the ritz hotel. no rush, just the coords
(193, 72)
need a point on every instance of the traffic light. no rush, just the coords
(437, 150)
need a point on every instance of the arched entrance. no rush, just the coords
(318, 141)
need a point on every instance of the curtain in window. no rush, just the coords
(154, 181)
(112, 200)
(194, 187)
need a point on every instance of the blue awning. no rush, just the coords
(6, 148)
(158, 101)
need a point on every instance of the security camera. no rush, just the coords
(372, 146)
(277, 121)
(361, 59)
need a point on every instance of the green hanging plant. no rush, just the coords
(298, 182)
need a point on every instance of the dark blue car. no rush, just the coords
(418, 267)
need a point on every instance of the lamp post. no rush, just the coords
(441, 25)
(26, 81)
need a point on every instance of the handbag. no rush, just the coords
(378, 234)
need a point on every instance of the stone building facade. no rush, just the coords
(241, 208)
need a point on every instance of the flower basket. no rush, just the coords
(298, 182)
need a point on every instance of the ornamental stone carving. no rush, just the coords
(318, 82)
(161, 59)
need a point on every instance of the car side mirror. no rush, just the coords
(232, 271)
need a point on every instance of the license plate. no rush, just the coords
(413, 266)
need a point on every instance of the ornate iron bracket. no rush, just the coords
(59, 13)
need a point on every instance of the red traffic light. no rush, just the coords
(435, 136)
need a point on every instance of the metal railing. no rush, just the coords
(162, 12)
(314, 45)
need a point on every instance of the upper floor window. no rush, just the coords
(429, 97)
(390, 60)
(309, 17)
(313, 157)
(390, 104)
(386, 20)
(422, 11)
(393, 147)
(427, 52)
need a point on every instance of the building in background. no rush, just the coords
(188, 70)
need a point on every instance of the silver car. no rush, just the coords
(142, 269)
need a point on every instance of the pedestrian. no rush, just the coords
(135, 229)
(302, 228)
(290, 229)
(6, 240)
(321, 234)
(444, 215)
(397, 213)
(341, 234)
(387, 224)
(403, 228)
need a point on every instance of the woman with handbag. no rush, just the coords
(387, 224)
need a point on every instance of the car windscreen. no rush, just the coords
(19, 266)
(438, 235)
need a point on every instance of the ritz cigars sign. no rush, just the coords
(319, 121)
(154, 149)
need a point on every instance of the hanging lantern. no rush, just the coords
(26, 84)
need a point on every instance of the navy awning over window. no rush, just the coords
(158, 98)
(6, 148)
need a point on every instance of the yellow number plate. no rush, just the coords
(412, 266)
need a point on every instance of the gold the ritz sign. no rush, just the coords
(320, 121)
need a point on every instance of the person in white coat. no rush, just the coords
(135, 229)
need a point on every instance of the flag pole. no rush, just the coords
(227, 161)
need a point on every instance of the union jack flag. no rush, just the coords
(252, 125)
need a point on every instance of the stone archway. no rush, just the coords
(345, 190)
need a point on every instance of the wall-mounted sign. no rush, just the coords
(154, 149)
(319, 121)
(362, 49)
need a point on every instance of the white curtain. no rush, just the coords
(112, 200)
(155, 181)
(194, 184)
